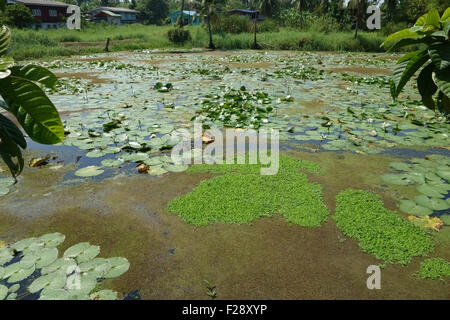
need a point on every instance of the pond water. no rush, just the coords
(331, 109)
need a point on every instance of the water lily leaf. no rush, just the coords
(401, 166)
(430, 191)
(411, 207)
(46, 256)
(88, 254)
(89, 171)
(7, 182)
(156, 170)
(95, 154)
(3, 191)
(97, 267)
(21, 274)
(397, 179)
(75, 250)
(104, 295)
(135, 157)
(2, 272)
(25, 243)
(432, 203)
(14, 288)
(54, 294)
(55, 280)
(60, 265)
(112, 162)
(153, 161)
(119, 266)
(444, 174)
(81, 285)
(175, 167)
(52, 240)
(6, 255)
(3, 291)
(111, 150)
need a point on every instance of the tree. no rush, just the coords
(17, 15)
(181, 18)
(431, 32)
(209, 9)
(267, 7)
(27, 102)
(152, 11)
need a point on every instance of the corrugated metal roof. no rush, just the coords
(114, 9)
(109, 13)
(46, 3)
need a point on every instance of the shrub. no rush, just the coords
(434, 268)
(267, 25)
(179, 35)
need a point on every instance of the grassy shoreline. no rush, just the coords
(33, 44)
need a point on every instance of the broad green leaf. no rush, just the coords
(407, 42)
(406, 33)
(442, 79)
(5, 38)
(405, 69)
(34, 111)
(21, 274)
(446, 15)
(440, 56)
(427, 87)
(12, 131)
(54, 294)
(429, 21)
(5, 63)
(10, 153)
(36, 74)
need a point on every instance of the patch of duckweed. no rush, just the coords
(242, 195)
(361, 214)
(434, 268)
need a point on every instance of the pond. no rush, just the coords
(354, 165)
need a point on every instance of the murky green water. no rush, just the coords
(333, 109)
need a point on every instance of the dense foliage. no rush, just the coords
(178, 35)
(16, 15)
(24, 99)
(432, 31)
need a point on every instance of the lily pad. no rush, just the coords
(413, 208)
(397, 179)
(432, 203)
(112, 162)
(54, 294)
(104, 295)
(3, 291)
(429, 190)
(90, 171)
(55, 280)
(119, 266)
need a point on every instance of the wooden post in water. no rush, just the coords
(107, 45)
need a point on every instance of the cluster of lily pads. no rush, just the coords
(431, 176)
(125, 121)
(30, 268)
(237, 108)
(5, 183)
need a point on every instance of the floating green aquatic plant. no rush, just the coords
(430, 174)
(73, 276)
(434, 268)
(360, 214)
(242, 195)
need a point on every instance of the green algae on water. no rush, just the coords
(242, 195)
(434, 268)
(361, 214)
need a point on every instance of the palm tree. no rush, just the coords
(301, 6)
(358, 5)
(181, 19)
(209, 10)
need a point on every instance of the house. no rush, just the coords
(48, 14)
(190, 17)
(114, 15)
(251, 14)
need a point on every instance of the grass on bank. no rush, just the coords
(31, 44)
